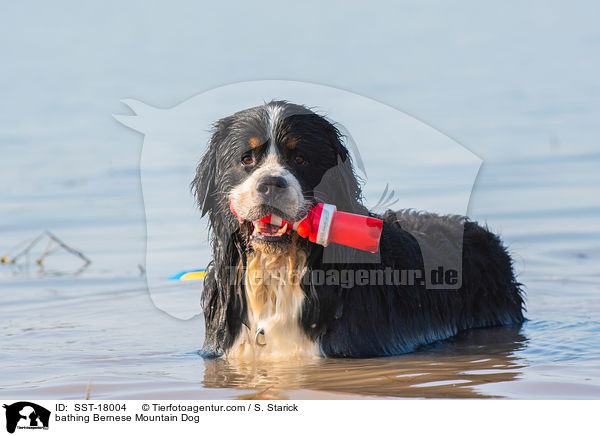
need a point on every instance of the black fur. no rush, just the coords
(363, 320)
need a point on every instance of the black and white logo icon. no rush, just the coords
(26, 415)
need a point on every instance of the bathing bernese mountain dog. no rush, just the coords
(260, 297)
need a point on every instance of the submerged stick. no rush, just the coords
(6, 259)
(53, 239)
(88, 389)
(68, 248)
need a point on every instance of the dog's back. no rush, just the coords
(387, 318)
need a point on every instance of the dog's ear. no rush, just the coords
(340, 184)
(204, 185)
(337, 140)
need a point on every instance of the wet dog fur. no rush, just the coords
(282, 158)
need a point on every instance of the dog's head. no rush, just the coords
(278, 158)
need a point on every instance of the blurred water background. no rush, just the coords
(517, 84)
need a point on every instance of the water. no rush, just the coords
(526, 101)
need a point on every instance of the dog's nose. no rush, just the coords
(270, 185)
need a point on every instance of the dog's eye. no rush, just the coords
(300, 160)
(247, 159)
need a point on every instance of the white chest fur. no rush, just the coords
(274, 299)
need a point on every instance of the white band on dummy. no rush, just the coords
(325, 224)
(276, 221)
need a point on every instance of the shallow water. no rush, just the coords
(69, 168)
(60, 329)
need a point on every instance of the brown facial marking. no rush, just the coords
(254, 142)
(291, 143)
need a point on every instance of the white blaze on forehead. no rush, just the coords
(271, 165)
(273, 115)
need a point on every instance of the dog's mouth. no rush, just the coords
(269, 232)
(259, 231)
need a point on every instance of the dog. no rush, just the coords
(258, 299)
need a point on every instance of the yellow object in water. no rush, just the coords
(190, 275)
(193, 275)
